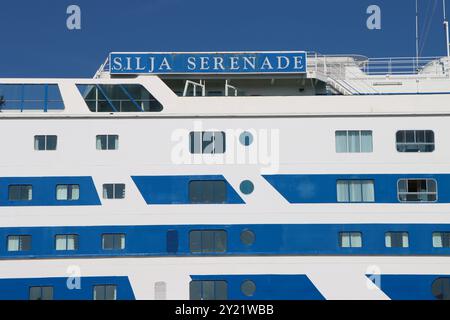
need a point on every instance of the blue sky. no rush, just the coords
(35, 42)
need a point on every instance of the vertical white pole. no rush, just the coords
(417, 35)
(447, 40)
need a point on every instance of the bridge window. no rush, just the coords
(66, 242)
(208, 290)
(415, 141)
(105, 292)
(354, 141)
(207, 142)
(350, 239)
(396, 240)
(355, 191)
(417, 190)
(41, 293)
(113, 191)
(119, 98)
(37, 97)
(441, 288)
(113, 241)
(69, 192)
(19, 243)
(47, 142)
(107, 142)
(207, 191)
(441, 239)
(20, 192)
(208, 241)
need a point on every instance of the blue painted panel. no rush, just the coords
(44, 191)
(221, 62)
(408, 287)
(175, 189)
(18, 289)
(270, 239)
(268, 286)
(321, 188)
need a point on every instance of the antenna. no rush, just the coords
(447, 41)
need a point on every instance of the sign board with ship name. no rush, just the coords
(208, 62)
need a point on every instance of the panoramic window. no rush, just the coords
(66, 242)
(441, 239)
(208, 290)
(417, 190)
(396, 240)
(207, 142)
(113, 191)
(119, 98)
(37, 97)
(208, 191)
(105, 292)
(41, 293)
(354, 141)
(440, 288)
(113, 241)
(415, 141)
(20, 192)
(19, 243)
(45, 142)
(107, 142)
(67, 192)
(355, 191)
(350, 239)
(208, 241)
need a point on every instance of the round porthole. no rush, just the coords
(441, 288)
(247, 237)
(246, 187)
(246, 138)
(248, 288)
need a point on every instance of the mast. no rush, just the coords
(417, 35)
(447, 40)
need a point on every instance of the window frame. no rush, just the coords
(113, 191)
(66, 235)
(202, 282)
(20, 248)
(114, 241)
(348, 185)
(69, 186)
(415, 143)
(350, 233)
(22, 186)
(406, 193)
(46, 136)
(347, 141)
(108, 137)
(116, 291)
(41, 292)
(192, 135)
(222, 181)
(396, 232)
(206, 250)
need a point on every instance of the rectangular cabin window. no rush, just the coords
(354, 141)
(19, 243)
(107, 142)
(41, 293)
(172, 241)
(207, 191)
(20, 192)
(441, 239)
(45, 142)
(211, 142)
(396, 240)
(113, 191)
(417, 190)
(355, 191)
(208, 241)
(415, 141)
(208, 290)
(66, 242)
(69, 192)
(350, 239)
(105, 292)
(113, 241)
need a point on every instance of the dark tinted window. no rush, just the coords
(208, 241)
(208, 290)
(208, 191)
(415, 141)
(441, 288)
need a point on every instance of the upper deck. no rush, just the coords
(236, 83)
